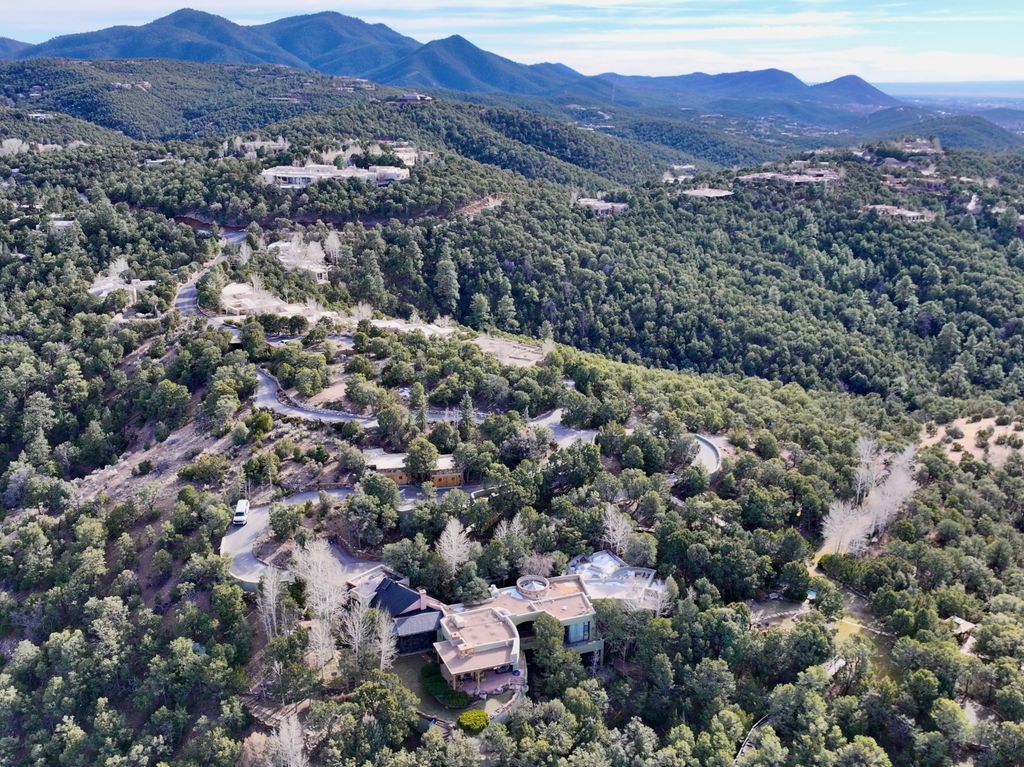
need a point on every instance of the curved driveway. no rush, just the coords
(239, 541)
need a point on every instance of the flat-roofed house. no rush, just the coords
(707, 193)
(393, 466)
(482, 643)
(901, 214)
(388, 174)
(295, 177)
(606, 576)
(479, 651)
(602, 208)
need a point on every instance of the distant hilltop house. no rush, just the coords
(901, 214)
(13, 146)
(892, 163)
(58, 223)
(161, 161)
(601, 208)
(352, 84)
(106, 283)
(907, 184)
(800, 175)
(406, 151)
(393, 466)
(251, 148)
(294, 177)
(918, 146)
(708, 193)
(414, 98)
(678, 173)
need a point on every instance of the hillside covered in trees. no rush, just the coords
(813, 342)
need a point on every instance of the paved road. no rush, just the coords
(186, 300)
(238, 542)
(268, 395)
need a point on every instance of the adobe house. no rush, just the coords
(480, 647)
(393, 466)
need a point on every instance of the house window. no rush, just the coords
(577, 632)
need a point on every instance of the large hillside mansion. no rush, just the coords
(480, 647)
(296, 177)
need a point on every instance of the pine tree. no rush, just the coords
(446, 285)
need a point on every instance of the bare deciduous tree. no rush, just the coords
(268, 602)
(316, 566)
(354, 628)
(453, 545)
(286, 746)
(332, 246)
(617, 529)
(321, 644)
(538, 564)
(839, 524)
(315, 254)
(866, 475)
(386, 644)
(895, 490)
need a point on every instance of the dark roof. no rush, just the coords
(418, 623)
(394, 597)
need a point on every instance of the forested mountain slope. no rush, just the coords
(54, 128)
(812, 341)
(166, 99)
(793, 285)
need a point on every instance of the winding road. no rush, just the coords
(239, 542)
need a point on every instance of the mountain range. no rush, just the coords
(335, 44)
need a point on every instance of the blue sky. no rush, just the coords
(896, 41)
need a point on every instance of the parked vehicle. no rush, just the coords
(241, 512)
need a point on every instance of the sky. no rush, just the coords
(896, 41)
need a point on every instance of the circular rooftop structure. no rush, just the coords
(532, 586)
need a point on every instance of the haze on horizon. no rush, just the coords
(896, 41)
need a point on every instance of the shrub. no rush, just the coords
(160, 568)
(739, 438)
(284, 520)
(208, 469)
(473, 721)
(435, 685)
(765, 445)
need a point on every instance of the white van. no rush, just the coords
(241, 512)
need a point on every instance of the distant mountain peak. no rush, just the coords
(852, 89)
(333, 43)
(188, 15)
